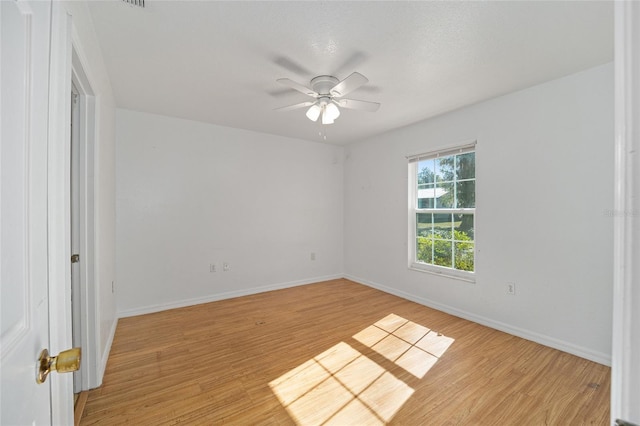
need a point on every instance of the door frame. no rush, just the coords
(87, 293)
(58, 203)
(76, 267)
(65, 46)
(625, 371)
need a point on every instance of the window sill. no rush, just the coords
(469, 277)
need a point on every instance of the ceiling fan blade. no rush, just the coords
(359, 105)
(349, 84)
(297, 86)
(296, 106)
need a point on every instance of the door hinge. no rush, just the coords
(75, 258)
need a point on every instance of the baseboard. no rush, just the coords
(105, 353)
(591, 355)
(222, 296)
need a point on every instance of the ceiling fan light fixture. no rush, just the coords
(326, 118)
(330, 113)
(314, 112)
(332, 110)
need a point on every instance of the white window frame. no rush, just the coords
(413, 210)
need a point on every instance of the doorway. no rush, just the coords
(82, 225)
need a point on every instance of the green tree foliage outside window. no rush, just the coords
(445, 211)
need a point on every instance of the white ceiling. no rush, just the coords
(218, 62)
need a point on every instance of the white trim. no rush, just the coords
(58, 203)
(595, 356)
(444, 151)
(221, 296)
(442, 271)
(625, 371)
(105, 354)
(90, 339)
(77, 223)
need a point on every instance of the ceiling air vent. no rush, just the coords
(139, 3)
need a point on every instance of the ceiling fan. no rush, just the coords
(328, 93)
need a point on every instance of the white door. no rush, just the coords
(24, 324)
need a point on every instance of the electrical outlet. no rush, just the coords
(313, 256)
(212, 267)
(511, 288)
(225, 266)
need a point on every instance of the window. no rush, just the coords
(442, 201)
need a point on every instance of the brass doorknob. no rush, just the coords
(66, 362)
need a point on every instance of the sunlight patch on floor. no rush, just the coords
(338, 385)
(343, 386)
(411, 346)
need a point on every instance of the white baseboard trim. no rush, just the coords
(591, 355)
(105, 354)
(221, 296)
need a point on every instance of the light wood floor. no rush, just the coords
(337, 353)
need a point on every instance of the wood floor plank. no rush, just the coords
(78, 408)
(244, 361)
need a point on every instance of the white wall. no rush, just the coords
(544, 193)
(104, 179)
(190, 194)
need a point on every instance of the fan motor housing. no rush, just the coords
(323, 84)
